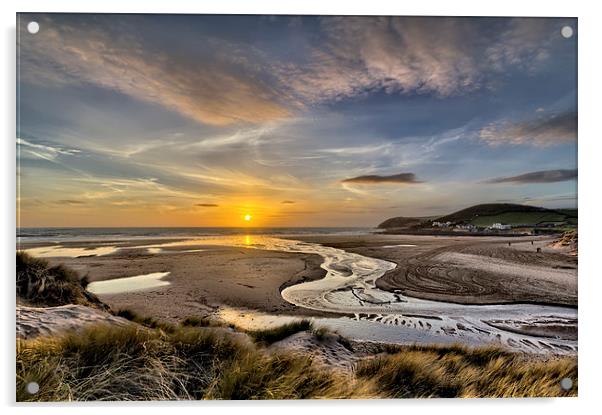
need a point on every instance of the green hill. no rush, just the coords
(402, 222)
(487, 214)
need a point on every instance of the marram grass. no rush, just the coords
(135, 362)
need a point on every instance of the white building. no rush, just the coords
(441, 224)
(501, 226)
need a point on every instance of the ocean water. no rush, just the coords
(25, 235)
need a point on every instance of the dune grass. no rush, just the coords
(457, 371)
(136, 363)
(198, 359)
(204, 321)
(150, 322)
(39, 283)
(272, 335)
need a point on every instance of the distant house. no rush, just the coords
(441, 224)
(501, 226)
(467, 227)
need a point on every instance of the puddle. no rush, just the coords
(60, 251)
(398, 246)
(163, 251)
(129, 284)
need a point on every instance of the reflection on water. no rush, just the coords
(129, 284)
(252, 320)
(60, 251)
(398, 246)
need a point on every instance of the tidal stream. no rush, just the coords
(368, 313)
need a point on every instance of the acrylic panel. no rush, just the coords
(295, 207)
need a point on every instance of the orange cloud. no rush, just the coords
(210, 92)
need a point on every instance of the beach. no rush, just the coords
(200, 280)
(389, 288)
(340, 309)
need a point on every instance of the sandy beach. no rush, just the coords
(200, 281)
(469, 270)
(202, 277)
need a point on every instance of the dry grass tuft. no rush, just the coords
(272, 335)
(38, 283)
(105, 362)
(136, 363)
(458, 371)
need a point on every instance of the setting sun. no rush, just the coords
(247, 218)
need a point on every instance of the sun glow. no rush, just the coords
(247, 218)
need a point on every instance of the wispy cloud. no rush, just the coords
(443, 56)
(541, 131)
(402, 178)
(225, 82)
(69, 202)
(524, 44)
(206, 205)
(544, 176)
(46, 151)
(287, 202)
(209, 89)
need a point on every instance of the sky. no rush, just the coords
(199, 120)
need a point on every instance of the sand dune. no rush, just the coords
(46, 321)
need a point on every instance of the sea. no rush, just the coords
(25, 235)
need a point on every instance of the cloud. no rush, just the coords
(208, 85)
(543, 131)
(524, 44)
(402, 178)
(223, 82)
(287, 202)
(46, 151)
(206, 205)
(69, 202)
(442, 56)
(544, 176)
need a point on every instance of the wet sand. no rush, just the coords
(202, 278)
(377, 283)
(463, 270)
(467, 269)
